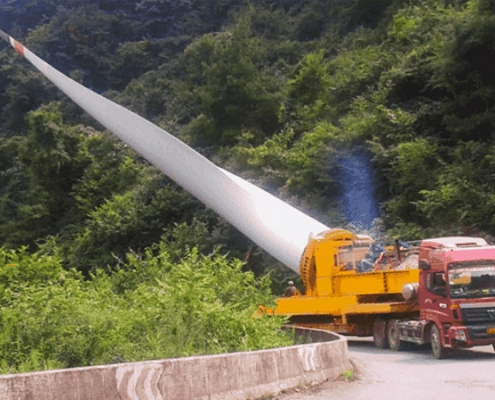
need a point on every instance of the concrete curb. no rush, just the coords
(245, 375)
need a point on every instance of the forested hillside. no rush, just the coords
(275, 91)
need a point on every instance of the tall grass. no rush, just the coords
(150, 308)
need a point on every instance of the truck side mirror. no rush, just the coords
(423, 265)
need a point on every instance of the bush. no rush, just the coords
(150, 308)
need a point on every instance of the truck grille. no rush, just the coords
(479, 333)
(472, 315)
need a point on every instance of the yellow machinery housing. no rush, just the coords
(340, 298)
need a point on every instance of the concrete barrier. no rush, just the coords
(246, 375)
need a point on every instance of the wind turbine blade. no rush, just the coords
(277, 227)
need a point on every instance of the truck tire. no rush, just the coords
(380, 333)
(437, 348)
(393, 336)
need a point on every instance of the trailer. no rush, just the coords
(441, 292)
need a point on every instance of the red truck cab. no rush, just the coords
(456, 294)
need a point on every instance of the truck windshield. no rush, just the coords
(470, 279)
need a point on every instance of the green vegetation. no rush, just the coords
(271, 90)
(349, 375)
(150, 307)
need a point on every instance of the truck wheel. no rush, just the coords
(437, 348)
(393, 336)
(380, 333)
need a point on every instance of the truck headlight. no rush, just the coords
(460, 335)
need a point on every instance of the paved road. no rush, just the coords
(409, 375)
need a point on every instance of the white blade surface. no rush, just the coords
(277, 227)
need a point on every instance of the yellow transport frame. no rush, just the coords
(338, 297)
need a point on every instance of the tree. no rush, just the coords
(413, 171)
(466, 181)
(231, 90)
(463, 67)
(310, 91)
(46, 167)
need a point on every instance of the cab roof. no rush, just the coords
(454, 242)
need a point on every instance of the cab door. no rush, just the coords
(434, 302)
